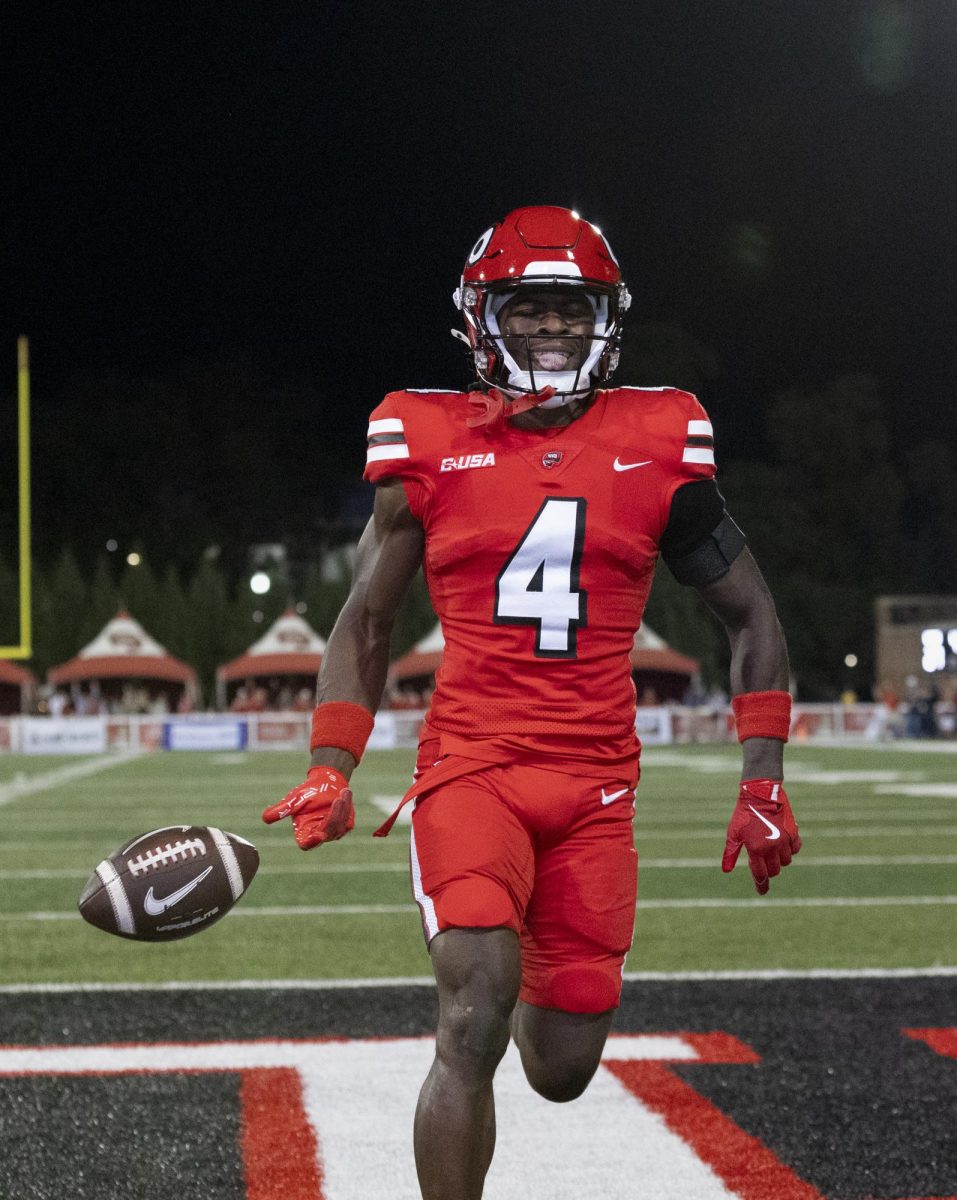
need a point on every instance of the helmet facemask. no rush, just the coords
(496, 355)
(582, 350)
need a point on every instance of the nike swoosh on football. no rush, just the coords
(156, 907)
(620, 466)
(775, 832)
(609, 797)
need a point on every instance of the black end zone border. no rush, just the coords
(846, 1099)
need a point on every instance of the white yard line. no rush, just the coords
(704, 833)
(329, 910)
(944, 791)
(654, 864)
(316, 869)
(402, 981)
(45, 781)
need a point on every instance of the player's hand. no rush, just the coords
(763, 823)
(321, 808)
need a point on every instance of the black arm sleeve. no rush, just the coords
(700, 541)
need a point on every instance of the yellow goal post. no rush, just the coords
(25, 648)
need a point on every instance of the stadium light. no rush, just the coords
(260, 583)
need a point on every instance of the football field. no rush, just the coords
(875, 885)
(800, 1045)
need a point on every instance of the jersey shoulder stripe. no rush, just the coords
(699, 445)
(387, 453)
(385, 425)
(386, 440)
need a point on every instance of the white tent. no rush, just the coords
(123, 650)
(290, 646)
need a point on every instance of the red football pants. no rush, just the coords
(549, 855)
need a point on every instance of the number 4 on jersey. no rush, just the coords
(539, 583)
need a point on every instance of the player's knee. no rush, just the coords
(472, 1036)
(581, 990)
(563, 1081)
(478, 972)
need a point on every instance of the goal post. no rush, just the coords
(25, 648)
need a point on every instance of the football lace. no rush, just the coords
(161, 856)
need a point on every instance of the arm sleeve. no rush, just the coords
(700, 541)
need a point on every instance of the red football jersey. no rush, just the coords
(540, 552)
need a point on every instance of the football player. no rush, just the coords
(538, 504)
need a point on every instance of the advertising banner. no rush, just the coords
(653, 726)
(383, 735)
(216, 734)
(63, 735)
(267, 732)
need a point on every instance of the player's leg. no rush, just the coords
(472, 871)
(560, 1050)
(478, 973)
(578, 929)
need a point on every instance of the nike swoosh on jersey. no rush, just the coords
(609, 797)
(775, 832)
(156, 907)
(620, 466)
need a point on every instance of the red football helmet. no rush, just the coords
(541, 247)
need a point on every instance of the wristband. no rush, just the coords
(763, 714)
(343, 725)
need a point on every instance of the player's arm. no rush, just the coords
(759, 657)
(356, 660)
(354, 669)
(705, 549)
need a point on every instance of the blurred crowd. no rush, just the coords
(921, 711)
(275, 696)
(128, 698)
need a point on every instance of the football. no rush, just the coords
(169, 883)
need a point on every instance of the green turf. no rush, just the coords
(51, 839)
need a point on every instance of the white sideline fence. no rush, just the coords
(399, 728)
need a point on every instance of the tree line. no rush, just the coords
(203, 617)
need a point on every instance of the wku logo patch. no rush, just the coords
(465, 462)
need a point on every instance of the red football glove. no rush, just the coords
(321, 808)
(763, 822)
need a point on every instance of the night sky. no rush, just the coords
(297, 184)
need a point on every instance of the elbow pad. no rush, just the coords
(711, 559)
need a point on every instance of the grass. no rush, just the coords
(850, 803)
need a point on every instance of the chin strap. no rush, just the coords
(491, 409)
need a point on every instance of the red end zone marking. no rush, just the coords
(941, 1041)
(744, 1164)
(278, 1144)
(719, 1048)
